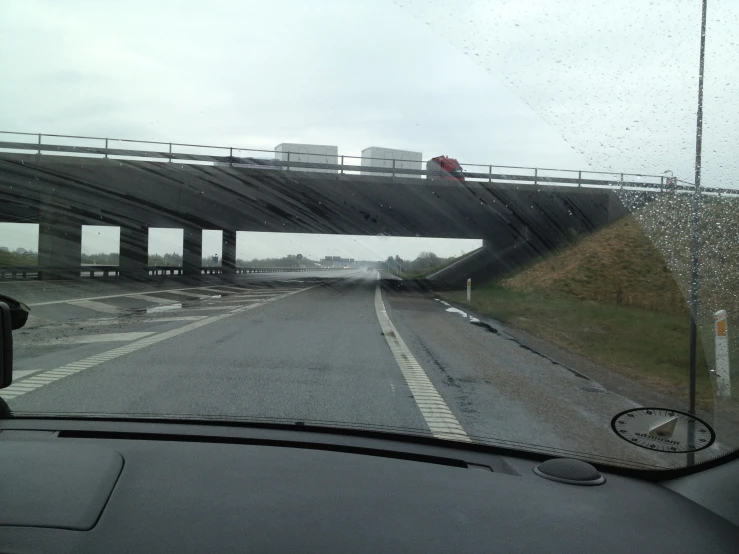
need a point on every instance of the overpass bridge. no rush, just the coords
(65, 186)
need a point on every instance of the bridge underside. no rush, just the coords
(63, 193)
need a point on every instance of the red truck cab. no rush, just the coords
(444, 168)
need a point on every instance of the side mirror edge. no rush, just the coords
(6, 346)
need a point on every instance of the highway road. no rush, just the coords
(339, 348)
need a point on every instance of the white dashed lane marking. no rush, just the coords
(43, 378)
(438, 416)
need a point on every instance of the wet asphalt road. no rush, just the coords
(303, 348)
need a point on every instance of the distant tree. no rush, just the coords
(290, 260)
(169, 260)
(426, 260)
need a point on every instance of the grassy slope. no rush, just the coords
(618, 296)
(618, 265)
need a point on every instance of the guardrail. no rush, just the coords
(286, 269)
(102, 271)
(162, 270)
(345, 164)
(30, 272)
(35, 272)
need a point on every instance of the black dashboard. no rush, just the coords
(129, 486)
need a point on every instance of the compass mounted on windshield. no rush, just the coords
(663, 430)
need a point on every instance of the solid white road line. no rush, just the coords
(47, 377)
(203, 309)
(153, 299)
(254, 295)
(217, 290)
(230, 304)
(101, 337)
(435, 411)
(97, 306)
(262, 291)
(171, 319)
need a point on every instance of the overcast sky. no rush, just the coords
(567, 84)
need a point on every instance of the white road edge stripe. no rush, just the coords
(46, 377)
(434, 410)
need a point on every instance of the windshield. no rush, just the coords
(226, 211)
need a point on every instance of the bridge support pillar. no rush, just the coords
(192, 252)
(228, 252)
(134, 252)
(59, 242)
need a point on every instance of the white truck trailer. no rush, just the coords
(376, 156)
(291, 152)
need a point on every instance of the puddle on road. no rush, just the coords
(452, 309)
(473, 320)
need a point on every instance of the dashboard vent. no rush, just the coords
(571, 471)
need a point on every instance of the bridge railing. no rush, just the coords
(251, 158)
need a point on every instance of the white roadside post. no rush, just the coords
(721, 337)
(469, 289)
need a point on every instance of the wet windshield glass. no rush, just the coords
(230, 211)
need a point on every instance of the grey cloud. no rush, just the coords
(591, 70)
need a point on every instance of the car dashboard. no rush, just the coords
(79, 485)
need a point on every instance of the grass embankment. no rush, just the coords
(649, 346)
(11, 259)
(617, 298)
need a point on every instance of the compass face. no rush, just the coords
(663, 430)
